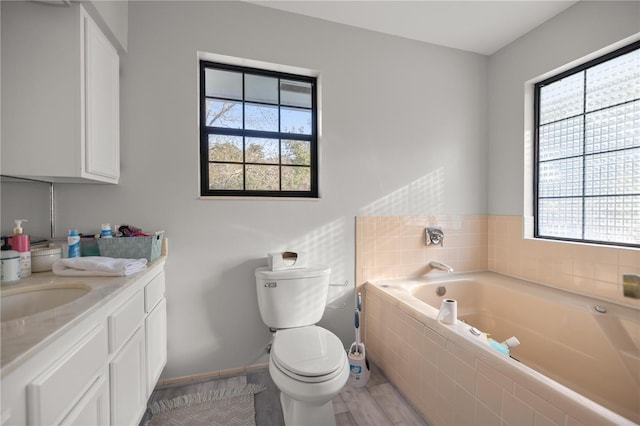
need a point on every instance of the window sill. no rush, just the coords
(248, 198)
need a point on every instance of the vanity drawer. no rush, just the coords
(153, 292)
(124, 321)
(52, 394)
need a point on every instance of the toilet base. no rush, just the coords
(297, 413)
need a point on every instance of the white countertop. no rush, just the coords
(22, 338)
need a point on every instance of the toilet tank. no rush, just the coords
(292, 297)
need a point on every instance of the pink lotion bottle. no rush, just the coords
(20, 243)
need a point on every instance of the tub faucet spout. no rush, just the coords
(442, 266)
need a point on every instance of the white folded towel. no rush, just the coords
(98, 266)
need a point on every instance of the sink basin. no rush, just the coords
(18, 303)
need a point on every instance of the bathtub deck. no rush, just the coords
(379, 403)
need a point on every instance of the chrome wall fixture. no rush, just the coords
(433, 236)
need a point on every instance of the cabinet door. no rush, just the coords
(52, 395)
(102, 97)
(93, 408)
(128, 385)
(156, 328)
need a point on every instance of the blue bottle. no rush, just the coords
(106, 231)
(74, 243)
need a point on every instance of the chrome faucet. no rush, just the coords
(442, 266)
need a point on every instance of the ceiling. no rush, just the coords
(472, 25)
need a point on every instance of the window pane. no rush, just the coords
(560, 178)
(613, 128)
(296, 152)
(261, 89)
(224, 114)
(562, 99)
(260, 150)
(295, 120)
(611, 173)
(261, 117)
(613, 219)
(589, 178)
(223, 84)
(243, 146)
(295, 93)
(561, 139)
(614, 81)
(225, 148)
(225, 176)
(263, 178)
(560, 218)
(296, 178)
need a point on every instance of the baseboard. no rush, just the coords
(210, 375)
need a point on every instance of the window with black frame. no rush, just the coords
(587, 152)
(258, 132)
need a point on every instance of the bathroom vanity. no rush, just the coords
(94, 359)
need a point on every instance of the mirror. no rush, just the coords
(27, 199)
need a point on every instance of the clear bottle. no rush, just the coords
(74, 243)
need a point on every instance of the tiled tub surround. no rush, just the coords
(454, 378)
(582, 268)
(394, 246)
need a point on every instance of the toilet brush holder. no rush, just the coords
(359, 370)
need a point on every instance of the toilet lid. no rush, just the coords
(308, 351)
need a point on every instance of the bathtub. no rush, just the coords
(578, 362)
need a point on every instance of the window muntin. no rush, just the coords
(258, 132)
(587, 152)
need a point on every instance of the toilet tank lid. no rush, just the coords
(289, 274)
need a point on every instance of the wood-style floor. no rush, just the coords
(377, 404)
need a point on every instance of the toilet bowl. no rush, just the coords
(307, 363)
(310, 367)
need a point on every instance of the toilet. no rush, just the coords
(307, 363)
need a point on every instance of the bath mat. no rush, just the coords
(227, 406)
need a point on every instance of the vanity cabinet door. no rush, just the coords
(93, 408)
(55, 392)
(128, 381)
(156, 327)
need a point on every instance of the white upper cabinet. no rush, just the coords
(102, 109)
(60, 95)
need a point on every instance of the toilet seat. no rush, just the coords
(308, 354)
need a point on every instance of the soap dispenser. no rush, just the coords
(20, 243)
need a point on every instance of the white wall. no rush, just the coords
(404, 131)
(112, 17)
(578, 31)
